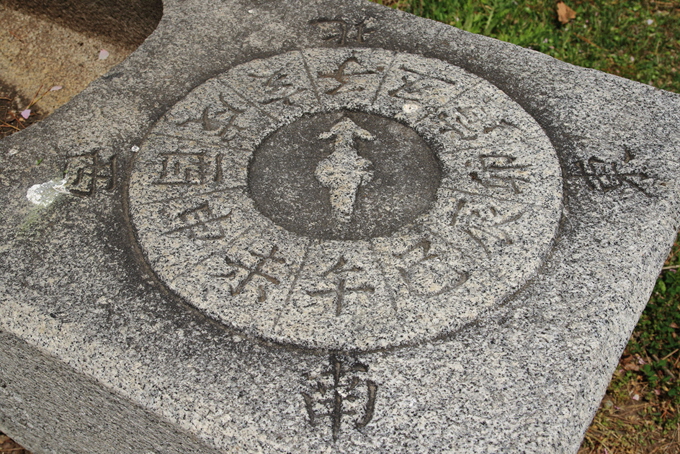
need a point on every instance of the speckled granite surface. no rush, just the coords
(328, 227)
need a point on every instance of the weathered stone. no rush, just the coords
(329, 227)
(348, 231)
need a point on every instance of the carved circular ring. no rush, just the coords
(346, 199)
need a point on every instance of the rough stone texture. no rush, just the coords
(169, 272)
(360, 246)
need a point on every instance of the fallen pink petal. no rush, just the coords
(103, 54)
(26, 113)
(56, 88)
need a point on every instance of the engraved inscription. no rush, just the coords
(349, 199)
(200, 223)
(606, 176)
(342, 31)
(220, 121)
(247, 274)
(87, 174)
(189, 168)
(468, 122)
(484, 224)
(341, 391)
(339, 289)
(459, 122)
(278, 88)
(344, 171)
(500, 171)
(344, 75)
(416, 85)
(424, 273)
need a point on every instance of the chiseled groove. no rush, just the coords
(222, 250)
(382, 81)
(311, 79)
(252, 104)
(294, 283)
(390, 289)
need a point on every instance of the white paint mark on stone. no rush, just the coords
(45, 194)
(410, 108)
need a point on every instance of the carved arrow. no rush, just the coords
(344, 171)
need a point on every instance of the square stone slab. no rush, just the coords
(322, 226)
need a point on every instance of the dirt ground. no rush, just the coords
(36, 55)
(8, 446)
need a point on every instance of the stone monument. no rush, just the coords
(328, 226)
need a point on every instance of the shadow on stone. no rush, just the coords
(127, 22)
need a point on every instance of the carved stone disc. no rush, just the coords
(346, 199)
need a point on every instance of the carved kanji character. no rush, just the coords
(344, 74)
(460, 122)
(416, 84)
(200, 223)
(339, 289)
(182, 168)
(338, 393)
(253, 272)
(221, 121)
(343, 31)
(425, 274)
(500, 171)
(86, 174)
(607, 176)
(469, 123)
(278, 88)
(484, 224)
(189, 169)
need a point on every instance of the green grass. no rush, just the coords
(656, 335)
(633, 39)
(639, 40)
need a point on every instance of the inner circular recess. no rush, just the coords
(344, 176)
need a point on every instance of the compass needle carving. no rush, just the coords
(344, 171)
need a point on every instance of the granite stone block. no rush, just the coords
(321, 226)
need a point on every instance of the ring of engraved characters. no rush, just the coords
(345, 199)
